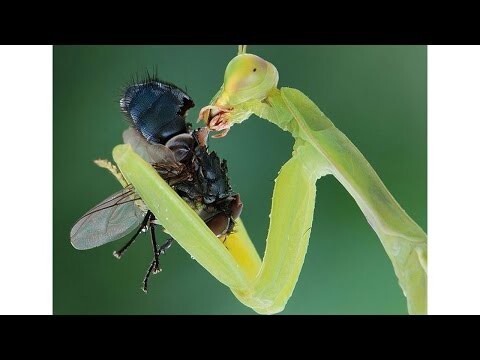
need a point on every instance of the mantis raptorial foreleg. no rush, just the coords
(291, 219)
(264, 288)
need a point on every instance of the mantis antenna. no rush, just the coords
(242, 49)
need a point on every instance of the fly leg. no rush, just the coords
(154, 265)
(147, 275)
(118, 254)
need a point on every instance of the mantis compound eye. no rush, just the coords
(247, 77)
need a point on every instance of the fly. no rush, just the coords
(158, 132)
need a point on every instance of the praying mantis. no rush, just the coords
(320, 149)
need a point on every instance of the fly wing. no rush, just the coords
(110, 220)
(152, 153)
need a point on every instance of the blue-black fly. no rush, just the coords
(156, 111)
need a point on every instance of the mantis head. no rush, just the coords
(247, 78)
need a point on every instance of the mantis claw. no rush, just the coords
(204, 113)
(216, 118)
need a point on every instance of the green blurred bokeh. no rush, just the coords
(376, 95)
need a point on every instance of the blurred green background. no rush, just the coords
(376, 95)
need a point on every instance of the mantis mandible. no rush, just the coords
(250, 87)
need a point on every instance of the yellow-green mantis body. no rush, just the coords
(250, 87)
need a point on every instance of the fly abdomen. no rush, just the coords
(156, 109)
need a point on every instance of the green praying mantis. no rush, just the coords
(320, 149)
